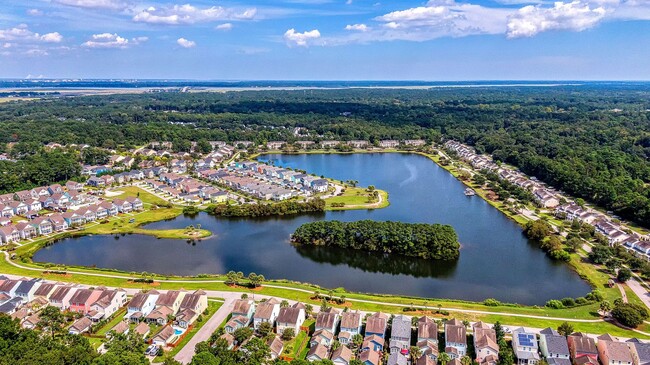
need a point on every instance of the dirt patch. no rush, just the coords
(58, 275)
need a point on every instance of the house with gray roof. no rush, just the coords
(640, 351)
(400, 335)
(553, 345)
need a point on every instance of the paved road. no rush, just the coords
(185, 355)
(639, 290)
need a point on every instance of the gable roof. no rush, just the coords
(351, 319)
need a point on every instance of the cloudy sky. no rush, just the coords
(326, 39)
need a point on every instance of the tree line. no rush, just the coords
(592, 140)
(287, 207)
(427, 241)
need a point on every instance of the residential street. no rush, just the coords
(186, 353)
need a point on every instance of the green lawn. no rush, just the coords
(117, 318)
(356, 198)
(295, 346)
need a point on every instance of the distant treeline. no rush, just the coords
(427, 241)
(591, 140)
(261, 210)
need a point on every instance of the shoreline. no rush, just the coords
(118, 277)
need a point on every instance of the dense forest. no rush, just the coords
(590, 140)
(427, 241)
(20, 346)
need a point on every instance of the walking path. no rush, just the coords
(224, 294)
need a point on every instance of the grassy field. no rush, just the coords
(357, 198)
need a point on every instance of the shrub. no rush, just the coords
(491, 302)
(568, 302)
(554, 304)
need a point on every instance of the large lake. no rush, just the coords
(496, 260)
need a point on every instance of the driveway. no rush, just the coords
(184, 356)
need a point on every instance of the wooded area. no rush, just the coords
(427, 241)
(592, 140)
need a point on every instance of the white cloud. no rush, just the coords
(96, 4)
(36, 52)
(185, 43)
(34, 12)
(303, 39)
(21, 33)
(188, 14)
(112, 40)
(54, 37)
(224, 26)
(575, 16)
(357, 27)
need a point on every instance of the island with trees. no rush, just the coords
(427, 241)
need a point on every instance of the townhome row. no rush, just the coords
(57, 222)
(548, 198)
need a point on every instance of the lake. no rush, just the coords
(496, 260)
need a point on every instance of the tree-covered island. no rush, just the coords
(427, 241)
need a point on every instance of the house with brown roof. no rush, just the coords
(122, 328)
(376, 324)
(613, 352)
(164, 337)
(45, 290)
(109, 302)
(370, 358)
(142, 329)
(266, 312)
(197, 301)
(160, 315)
(185, 317)
(61, 296)
(323, 337)
(291, 317)
(485, 344)
(83, 298)
(236, 323)
(275, 346)
(141, 305)
(31, 322)
(582, 346)
(342, 355)
(328, 320)
(427, 329)
(351, 324)
(455, 339)
(9, 234)
(245, 308)
(82, 325)
(171, 299)
(317, 353)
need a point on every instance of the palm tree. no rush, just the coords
(415, 354)
(443, 358)
(466, 360)
(605, 306)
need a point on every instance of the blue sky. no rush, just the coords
(326, 39)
